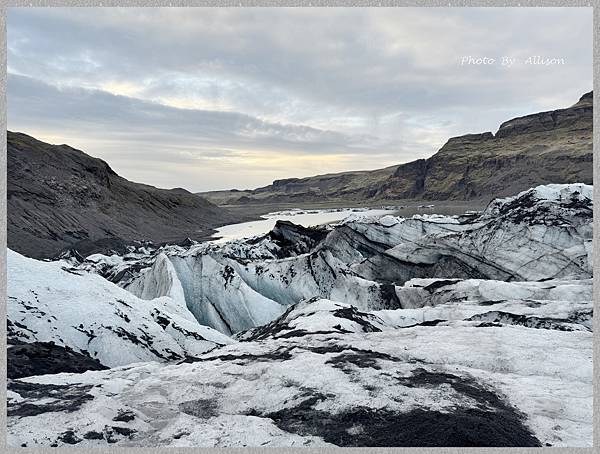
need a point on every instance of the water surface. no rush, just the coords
(306, 218)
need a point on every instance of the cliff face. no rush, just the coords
(59, 197)
(574, 117)
(546, 147)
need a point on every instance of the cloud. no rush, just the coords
(345, 82)
(129, 130)
(84, 109)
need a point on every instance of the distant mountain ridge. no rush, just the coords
(541, 148)
(59, 197)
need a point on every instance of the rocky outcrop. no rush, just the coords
(575, 118)
(59, 198)
(42, 358)
(542, 148)
(547, 147)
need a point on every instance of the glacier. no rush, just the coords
(541, 234)
(433, 330)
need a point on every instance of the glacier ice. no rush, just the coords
(383, 331)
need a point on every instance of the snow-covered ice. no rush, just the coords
(377, 331)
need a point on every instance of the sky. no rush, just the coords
(220, 98)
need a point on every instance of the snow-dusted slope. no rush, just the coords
(49, 302)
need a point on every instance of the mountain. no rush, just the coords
(546, 147)
(60, 197)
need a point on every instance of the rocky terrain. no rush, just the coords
(546, 147)
(472, 330)
(59, 197)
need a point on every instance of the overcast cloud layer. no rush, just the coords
(209, 98)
